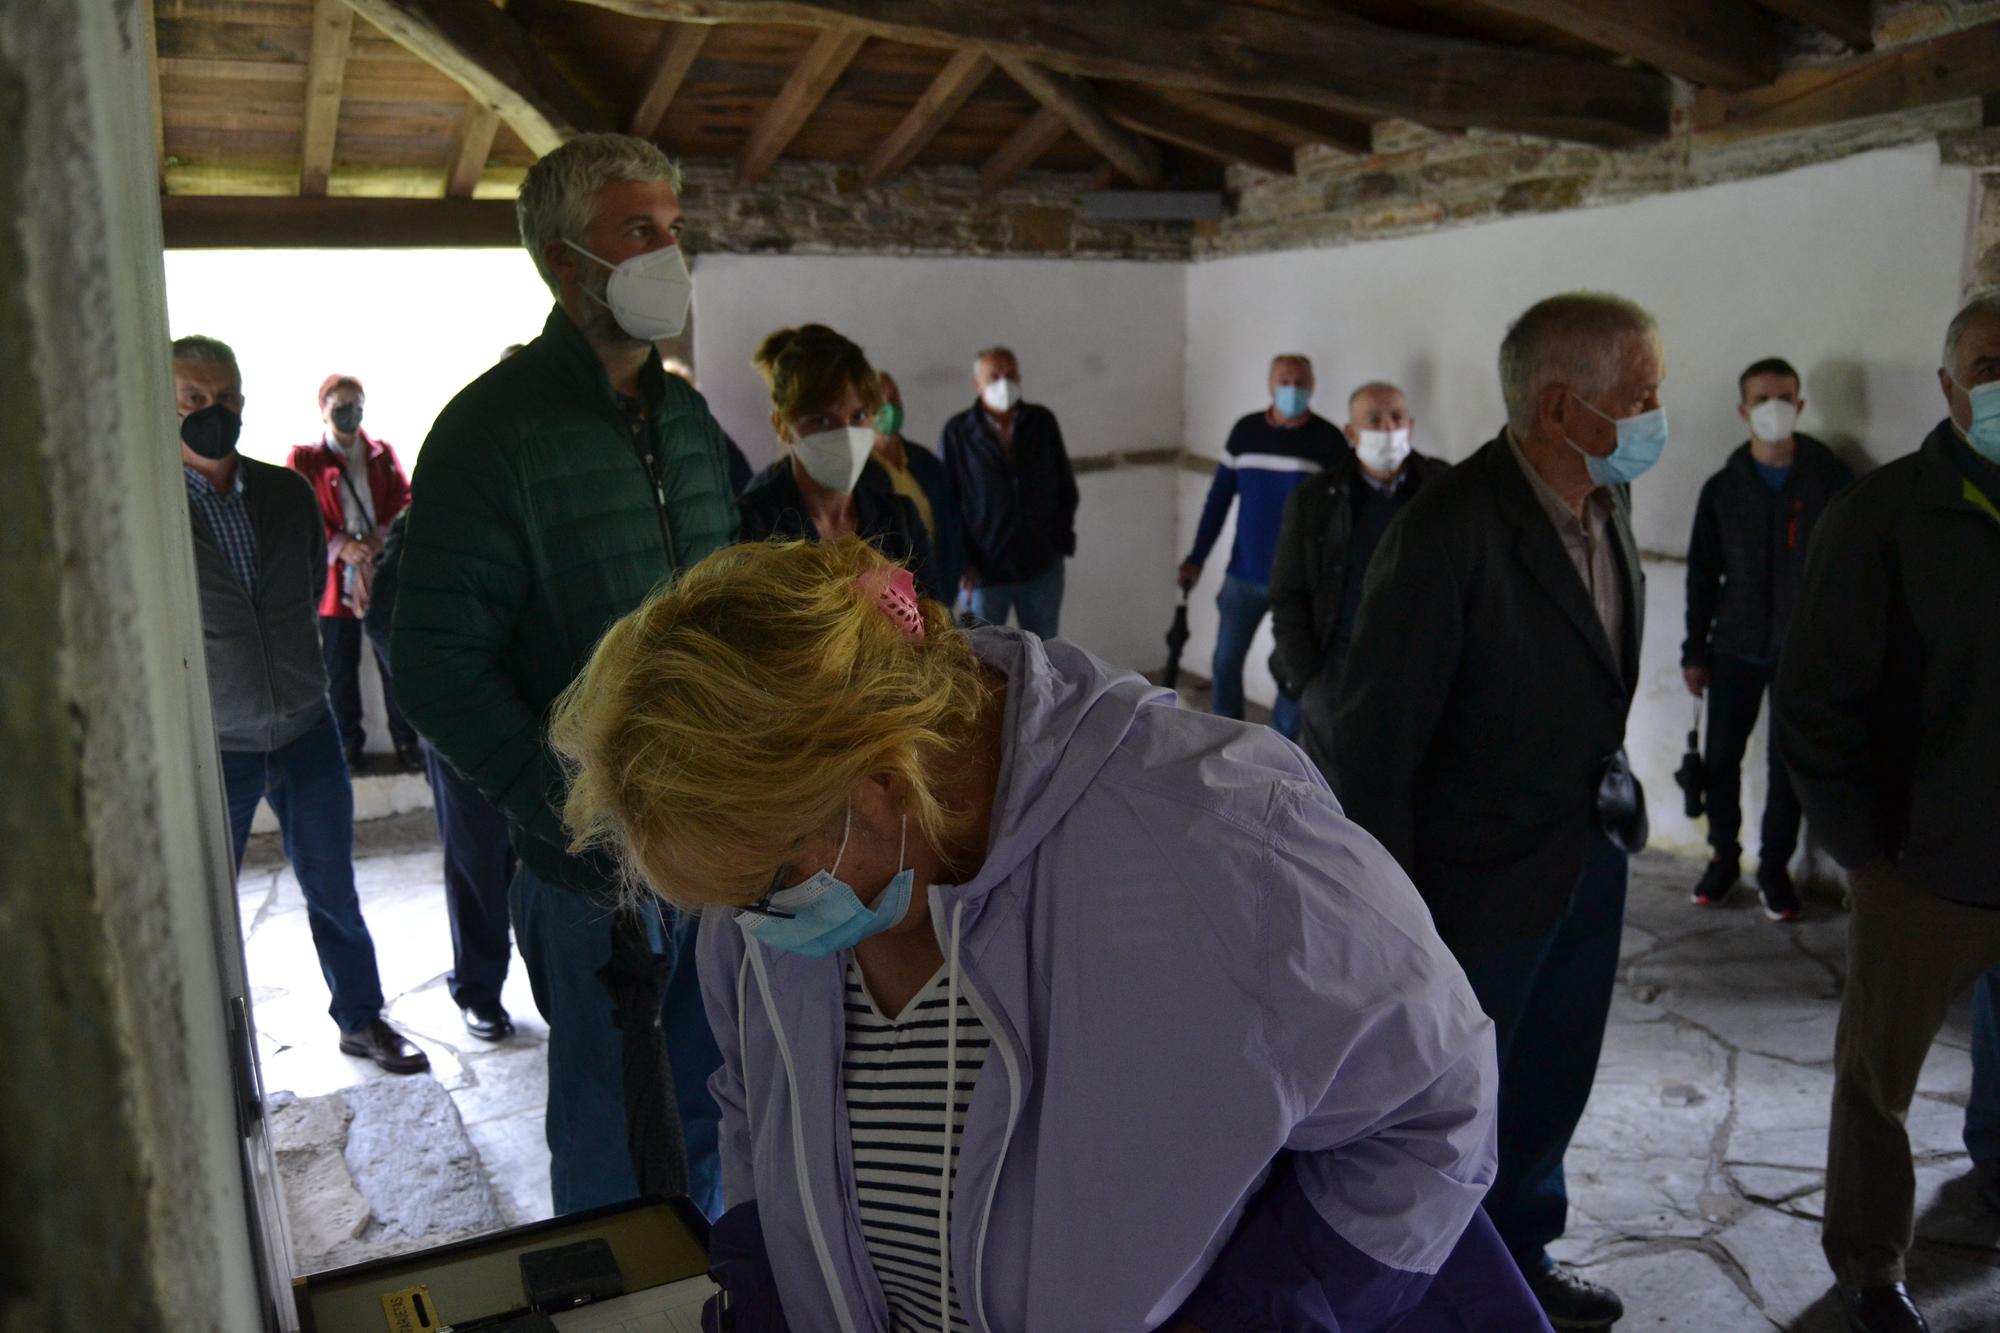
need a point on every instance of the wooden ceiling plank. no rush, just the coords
(1290, 123)
(1729, 44)
(1077, 103)
(671, 63)
(492, 56)
(1852, 21)
(955, 83)
(470, 148)
(1026, 147)
(326, 70)
(811, 81)
(153, 92)
(1147, 113)
(1959, 65)
(1238, 47)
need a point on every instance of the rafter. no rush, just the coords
(1852, 21)
(206, 222)
(671, 63)
(1288, 123)
(1077, 103)
(326, 70)
(489, 54)
(1722, 43)
(1959, 65)
(823, 64)
(955, 83)
(1239, 47)
(470, 147)
(1027, 147)
(1148, 113)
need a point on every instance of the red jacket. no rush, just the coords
(389, 490)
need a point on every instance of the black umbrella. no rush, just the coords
(1177, 637)
(637, 980)
(1688, 777)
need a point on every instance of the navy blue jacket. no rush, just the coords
(773, 507)
(947, 545)
(1017, 507)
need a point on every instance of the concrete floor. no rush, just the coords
(1696, 1175)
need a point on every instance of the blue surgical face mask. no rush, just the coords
(1641, 441)
(1291, 400)
(1984, 436)
(823, 916)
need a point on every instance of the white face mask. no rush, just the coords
(1772, 420)
(1001, 395)
(1383, 450)
(834, 458)
(648, 294)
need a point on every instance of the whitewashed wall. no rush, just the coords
(1849, 270)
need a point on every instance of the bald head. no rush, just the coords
(1378, 405)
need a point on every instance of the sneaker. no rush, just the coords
(1571, 1302)
(1774, 887)
(1716, 884)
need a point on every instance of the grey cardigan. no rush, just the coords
(266, 678)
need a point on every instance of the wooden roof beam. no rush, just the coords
(1950, 68)
(1147, 113)
(1320, 57)
(1727, 44)
(1077, 103)
(471, 145)
(824, 62)
(949, 91)
(211, 221)
(1852, 21)
(1289, 123)
(489, 54)
(153, 80)
(326, 70)
(671, 63)
(1028, 146)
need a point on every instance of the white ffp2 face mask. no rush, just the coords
(1001, 395)
(1383, 450)
(1772, 420)
(834, 458)
(648, 294)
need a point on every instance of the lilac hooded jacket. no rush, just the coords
(1234, 1076)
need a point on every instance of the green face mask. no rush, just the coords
(889, 420)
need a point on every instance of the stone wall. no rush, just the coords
(818, 208)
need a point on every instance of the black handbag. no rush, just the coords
(1621, 804)
(1688, 777)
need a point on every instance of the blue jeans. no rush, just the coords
(1548, 999)
(565, 939)
(1036, 604)
(1243, 605)
(1982, 1109)
(306, 784)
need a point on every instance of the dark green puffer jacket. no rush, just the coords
(538, 516)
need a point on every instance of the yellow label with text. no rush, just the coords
(410, 1310)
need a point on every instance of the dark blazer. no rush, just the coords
(1309, 581)
(1887, 700)
(1748, 552)
(1016, 506)
(1480, 699)
(773, 507)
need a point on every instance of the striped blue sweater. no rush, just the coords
(1261, 465)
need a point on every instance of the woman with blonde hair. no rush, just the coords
(824, 401)
(1044, 1003)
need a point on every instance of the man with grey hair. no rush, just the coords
(1481, 727)
(1885, 705)
(1017, 499)
(259, 561)
(555, 492)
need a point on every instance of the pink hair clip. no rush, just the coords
(893, 589)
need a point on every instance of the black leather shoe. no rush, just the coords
(1884, 1309)
(387, 1047)
(488, 1022)
(1571, 1302)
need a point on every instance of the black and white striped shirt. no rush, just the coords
(894, 1074)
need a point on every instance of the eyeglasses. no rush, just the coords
(762, 907)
